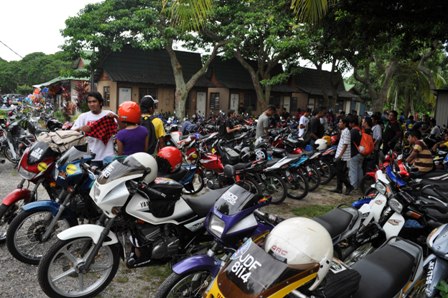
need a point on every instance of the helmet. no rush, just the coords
(302, 243)
(320, 144)
(129, 111)
(169, 159)
(145, 161)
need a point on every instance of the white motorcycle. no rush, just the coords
(148, 211)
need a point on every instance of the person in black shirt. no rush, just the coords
(316, 127)
(231, 126)
(392, 133)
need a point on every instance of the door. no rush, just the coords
(201, 103)
(234, 101)
(287, 103)
(124, 94)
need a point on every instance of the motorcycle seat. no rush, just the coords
(177, 176)
(272, 162)
(242, 165)
(295, 156)
(441, 185)
(436, 175)
(336, 221)
(201, 205)
(387, 270)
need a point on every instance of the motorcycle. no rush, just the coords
(296, 260)
(234, 217)
(35, 166)
(148, 215)
(34, 229)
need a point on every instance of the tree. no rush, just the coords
(108, 26)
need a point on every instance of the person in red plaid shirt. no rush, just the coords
(98, 145)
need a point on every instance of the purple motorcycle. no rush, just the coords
(232, 220)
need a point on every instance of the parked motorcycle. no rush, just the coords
(150, 213)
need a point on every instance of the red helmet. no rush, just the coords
(129, 112)
(169, 159)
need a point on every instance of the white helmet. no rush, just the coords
(303, 243)
(320, 144)
(144, 161)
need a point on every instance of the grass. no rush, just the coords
(312, 210)
(161, 272)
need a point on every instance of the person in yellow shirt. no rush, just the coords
(156, 131)
(443, 144)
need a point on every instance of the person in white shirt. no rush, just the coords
(95, 103)
(303, 123)
(342, 156)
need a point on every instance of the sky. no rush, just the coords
(29, 26)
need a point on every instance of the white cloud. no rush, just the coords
(29, 26)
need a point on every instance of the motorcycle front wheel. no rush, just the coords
(298, 187)
(275, 187)
(61, 271)
(7, 213)
(192, 284)
(24, 235)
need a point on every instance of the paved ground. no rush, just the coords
(19, 280)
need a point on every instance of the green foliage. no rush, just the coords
(24, 89)
(443, 288)
(312, 210)
(59, 115)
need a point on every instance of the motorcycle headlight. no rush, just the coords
(26, 174)
(381, 188)
(396, 206)
(216, 226)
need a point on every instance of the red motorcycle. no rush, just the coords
(35, 166)
(369, 177)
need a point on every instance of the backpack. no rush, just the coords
(366, 145)
(152, 144)
(62, 140)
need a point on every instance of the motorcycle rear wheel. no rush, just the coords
(250, 184)
(24, 235)
(6, 214)
(298, 188)
(326, 171)
(366, 183)
(60, 273)
(9, 156)
(275, 187)
(192, 284)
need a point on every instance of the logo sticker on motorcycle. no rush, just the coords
(71, 169)
(394, 222)
(42, 166)
(229, 198)
(107, 171)
(37, 153)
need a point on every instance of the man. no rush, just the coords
(420, 157)
(303, 123)
(156, 131)
(392, 133)
(316, 127)
(342, 157)
(263, 122)
(230, 125)
(84, 123)
(356, 158)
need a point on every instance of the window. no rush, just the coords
(147, 91)
(214, 101)
(275, 101)
(250, 103)
(106, 96)
(311, 104)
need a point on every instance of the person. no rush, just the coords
(231, 128)
(84, 122)
(133, 138)
(392, 133)
(303, 123)
(316, 127)
(285, 114)
(356, 158)
(441, 144)
(435, 129)
(377, 135)
(154, 125)
(342, 157)
(263, 122)
(410, 123)
(420, 157)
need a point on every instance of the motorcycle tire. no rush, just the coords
(326, 171)
(196, 185)
(366, 183)
(191, 284)
(19, 245)
(298, 188)
(312, 174)
(6, 214)
(250, 184)
(60, 259)
(275, 187)
(9, 156)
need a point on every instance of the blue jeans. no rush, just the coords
(355, 172)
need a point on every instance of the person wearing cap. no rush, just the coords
(147, 105)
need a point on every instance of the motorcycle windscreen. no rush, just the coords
(252, 272)
(117, 170)
(234, 200)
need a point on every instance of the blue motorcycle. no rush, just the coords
(34, 230)
(234, 218)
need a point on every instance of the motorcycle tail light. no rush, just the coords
(413, 214)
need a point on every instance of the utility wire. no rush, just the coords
(10, 49)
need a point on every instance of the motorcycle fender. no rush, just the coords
(437, 271)
(47, 205)
(393, 225)
(90, 231)
(17, 195)
(198, 262)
